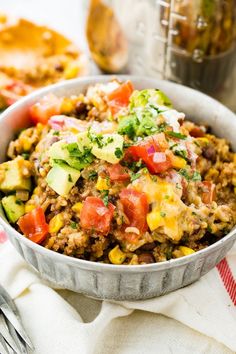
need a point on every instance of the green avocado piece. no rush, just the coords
(13, 179)
(109, 148)
(61, 178)
(149, 97)
(13, 207)
(76, 154)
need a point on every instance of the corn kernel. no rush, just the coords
(178, 162)
(26, 143)
(203, 140)
(77, 207)
(71, 71)
(39, 127)
(102, 184)
(66, 106)
(186, 250)
(56, 223)
(29, 207)
(116, 256)
(154, 220)
(36, 190)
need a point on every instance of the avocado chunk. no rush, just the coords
(108, 147)
(148, 98)
(13, 179)
(61, 178)
(76, 154)
(13, 207)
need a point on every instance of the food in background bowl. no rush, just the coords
(117, 175)
(31, 61)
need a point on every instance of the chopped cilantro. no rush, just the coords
(209, 229)
(161, 127)
(128, 125)
(105, 199)
(145, 170)
(176, 135)
(110, 139)
(25, 155)
(69, 178)
(173, 146)
(19, 202)
(162, 214)
(183, 172)
(181, 153)
(78, 159)
(196, 176)
(56, 132)
(156, 108)
(59, 161)
(193, 213)
(73, 224)
(134, 176)
(126, 145)
(118, 152)
(154, 178)
(92, 175)
(73, 149)
(166, 196)
(96, 138)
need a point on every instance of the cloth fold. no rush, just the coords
(52, 317)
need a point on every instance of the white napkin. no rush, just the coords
(200, 318)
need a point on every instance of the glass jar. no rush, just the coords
(189, 42)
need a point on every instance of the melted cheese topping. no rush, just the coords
(167, 207)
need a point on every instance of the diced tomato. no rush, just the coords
(197, 132)
(47, 107)
(119, 98)
(152, 151)
(209, 192)
(33, 225)
(118, 173)
(96, 216)
(135, 207)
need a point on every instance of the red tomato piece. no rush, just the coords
(120, 97)
(33, 225)
(118, 173)
(151, 151)
(96, 216)
(209, 192)
(135, 207)
(47, 107)
(197, 132)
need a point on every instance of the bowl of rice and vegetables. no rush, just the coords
(114, 176)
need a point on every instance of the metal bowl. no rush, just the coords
(122, 282)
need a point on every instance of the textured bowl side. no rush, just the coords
(121, 285)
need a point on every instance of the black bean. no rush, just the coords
(148, 246)
(209, 152)
(146, 258)
(80, 108)
(58, 67)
